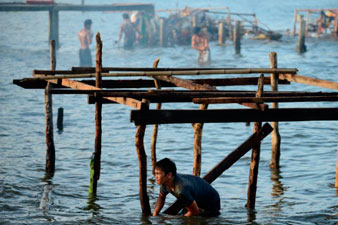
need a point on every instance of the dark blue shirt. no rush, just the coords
(189, 188)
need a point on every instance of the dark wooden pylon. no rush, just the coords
(336, 183)
(98, 118)
(254, 165)
(198, 127)
(50, 153)
(228, 161)
(155, 130)
(142, 158)
(275, 136)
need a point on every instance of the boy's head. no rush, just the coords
(167, 166)
(87, 23)
(125, 16)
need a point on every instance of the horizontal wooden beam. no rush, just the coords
(232, 115)
(35, 83)
(169, 73)
(81, 86)
(81, 70)
(70, 7)
(228, 161)
(309, 81)
(223, 100)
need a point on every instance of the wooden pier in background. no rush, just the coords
(253, 106)
(55, 8)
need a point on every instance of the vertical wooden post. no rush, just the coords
(254, 165)
(237, 37)
(230, 29)
(142, 157)
(155, 130)
(295, 22)
(60, 119)
(221, 33)
(198, 127)
(50, 154)
(54, 26)
(301, 48)
(98, 118)
(336, 184)
(307, 23)
(162, 36)
(275, 136)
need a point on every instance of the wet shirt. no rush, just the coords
(189, 188)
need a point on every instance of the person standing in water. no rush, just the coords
(200, 42)
(85, 36)
(129, 32)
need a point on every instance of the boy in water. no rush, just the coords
(200, 42)
(129, 32)
(196, 195)
(85, 36)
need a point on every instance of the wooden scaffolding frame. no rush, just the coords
(199, 91)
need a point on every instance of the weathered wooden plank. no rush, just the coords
(81, 86)
(232, 115)
(309, 81)
(223, 100)
(34, 83)
(228, 161)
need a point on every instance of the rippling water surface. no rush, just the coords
(301, 192)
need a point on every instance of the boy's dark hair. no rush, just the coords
(166, 165)
(125, 16)
(196, 30)
(87, 23)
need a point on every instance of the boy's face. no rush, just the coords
(161, 177)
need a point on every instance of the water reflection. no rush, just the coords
(92, 205)
(277, 188)
(251, 215)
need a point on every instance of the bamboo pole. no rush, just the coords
(142, 157)
(170, 73)
(50, 154)
(275, 136)
(98, 118)
(228, 161)
(197, 158)
(255, 155)
(155, 129)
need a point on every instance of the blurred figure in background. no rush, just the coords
(129, 32)
(85, 36)
(200, 42)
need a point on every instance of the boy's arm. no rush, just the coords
(159, 204)
(193, 209)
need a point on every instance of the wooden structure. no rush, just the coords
(318, 21)
(199, 91)
(55, 8)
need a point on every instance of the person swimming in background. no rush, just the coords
(200, 42)
(129, 31)
(85, 36)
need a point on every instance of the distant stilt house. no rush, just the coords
(319, 22)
